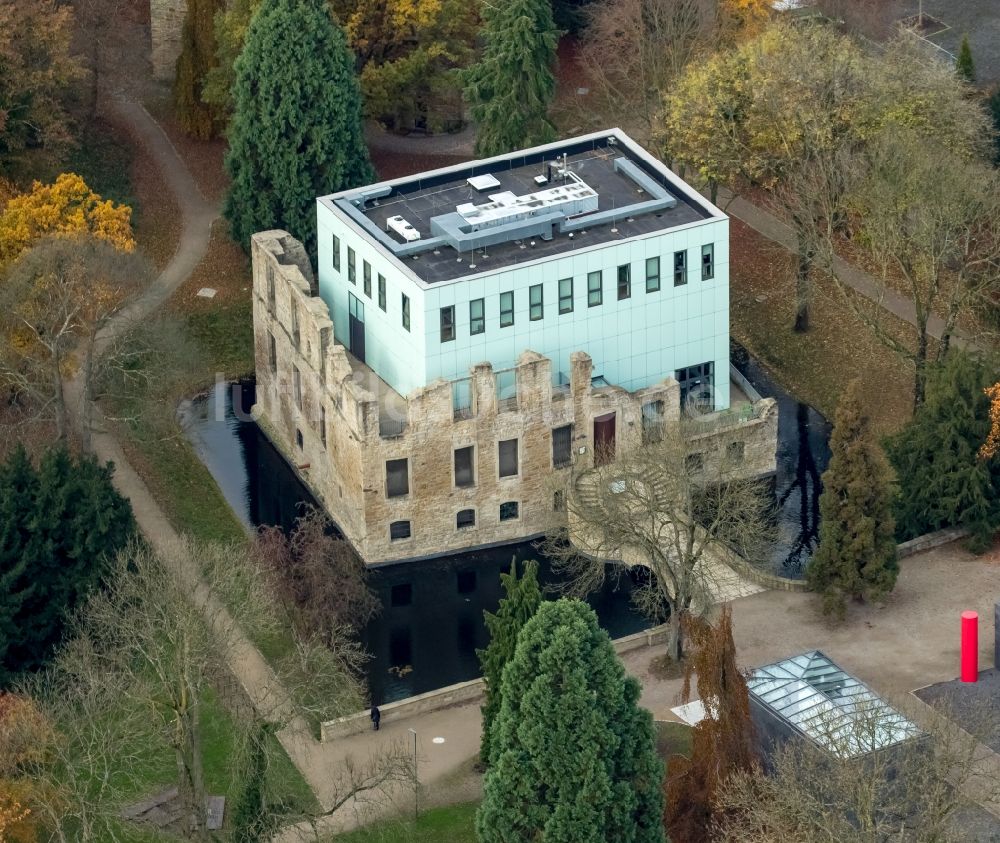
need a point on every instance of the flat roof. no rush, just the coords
(829, 706)
(534, 208)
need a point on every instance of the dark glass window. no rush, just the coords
(465, 472)
(562, 438)
(536, 308)
(366, 272)
(399, 530)
(477, 316)
(465, 518)
(565, 295)
(708, 262)
(508, 458)
(397, 479)
(352, 269)
(448, 323)
(508, 511)
(652, 275)
(595, 292)
(406, 311)
(624, 281)
(506, 309)
(381, 291)
(680, 268)
(336, 252)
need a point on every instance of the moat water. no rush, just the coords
(431, 622)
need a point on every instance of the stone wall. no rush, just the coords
(341, 424)
(166, 20)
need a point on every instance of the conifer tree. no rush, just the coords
(964, 65)
(515, 610)
(574, 757)
(511, 86)
(941, 480)
(197, 117)
(856, 556)
(296, 131)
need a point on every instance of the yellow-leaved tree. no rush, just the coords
(66, 207)
(990, 447)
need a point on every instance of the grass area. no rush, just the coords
(815, 366)
(451, 824)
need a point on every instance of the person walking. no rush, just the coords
(376, 717)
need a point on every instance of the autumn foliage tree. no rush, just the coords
(197, 117)
(722, 743)
(65, 207)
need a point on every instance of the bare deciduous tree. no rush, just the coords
(678, 509)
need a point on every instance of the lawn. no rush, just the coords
(451, 824)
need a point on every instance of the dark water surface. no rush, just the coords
(432, 617)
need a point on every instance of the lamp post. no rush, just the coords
(416, 781)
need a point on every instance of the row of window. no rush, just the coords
(465, 519)
(595, 293)
(366, 281)
(397, 472)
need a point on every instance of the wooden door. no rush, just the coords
(604, 439)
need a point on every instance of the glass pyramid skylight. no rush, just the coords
(830, 707)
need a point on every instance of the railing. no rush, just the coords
(390, 428)
(735, 415)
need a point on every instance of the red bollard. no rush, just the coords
(970, 646)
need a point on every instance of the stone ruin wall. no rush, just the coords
(166, 20)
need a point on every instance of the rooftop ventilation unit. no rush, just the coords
(574, 197)
(484, 182)
(401, 227)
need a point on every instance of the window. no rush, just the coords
(448, 323)
(269, 275)
(322, 425)
(465, 518)
(336, 252)
(506, 309)
(406, 311)
(561, 444)
(352, 270)
(680, 268)
(400, 530)
(559, 501)
(565, 295)
(298, 438)
(735, 452)
(708, 262)
(697, 386)
(477, 316)
(367, 276)
(465, 472)
(624, 281)
(297, 387)
(652, 275)
(508, 511)
(595, 293)
(381, 291)
(296, 340)
(397, 479)
(536, 309)
(401, 594)
(272, 353)
(652, 422)
(508, 458)
(694, 463)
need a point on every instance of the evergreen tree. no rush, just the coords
(963, 64)
(510, 88)
(74, 522)
(198, 57)
(574, 757)
(296, 131)
(941, 480)
(18, 491)
(856, 556)
(515, 610)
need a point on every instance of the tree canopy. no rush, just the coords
(573, 758)
(296, 132)
(198, 117)
(510, 87)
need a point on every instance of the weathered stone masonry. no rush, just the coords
(166, 20)
(333, 418)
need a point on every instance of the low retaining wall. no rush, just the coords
(460, 693)
(930, 540)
